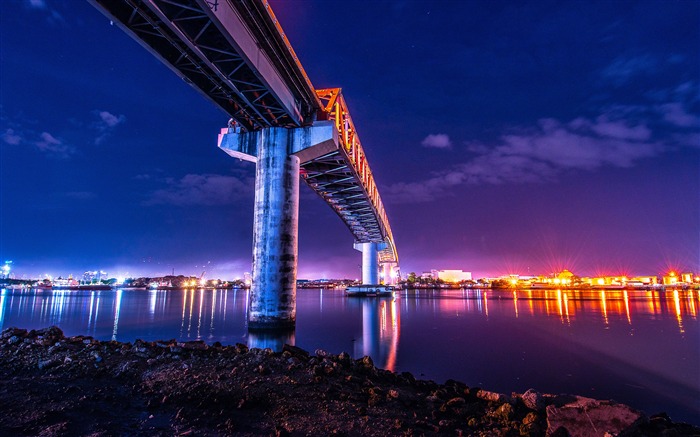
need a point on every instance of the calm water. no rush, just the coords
(641, 348)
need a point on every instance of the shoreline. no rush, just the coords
(56, 385)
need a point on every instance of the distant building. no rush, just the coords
(94, 276)
(673, 278)
(646, 280)
(429, 275)
(454, 276)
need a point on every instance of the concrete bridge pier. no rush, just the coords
(272, 301)
(370, 261)
(277, 153)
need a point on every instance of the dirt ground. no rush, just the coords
(55, 385)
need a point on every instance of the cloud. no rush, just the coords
(437, 141)
(111, 120)
(51, 145)
(53, 17)
(204, 189)
(45, 142)
(37, 4)
(106, 124)
(620, 138)
(11, 137)
(624, 68)
(674, 113)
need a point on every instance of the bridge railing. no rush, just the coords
(335, 108)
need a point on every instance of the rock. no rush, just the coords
(533, 400)
(587, 417)
(530, 418)
(493, 396)
(49, 336)
(13, 340)
(504, 412)
(366, 362)
(456, 402)
(46, 364)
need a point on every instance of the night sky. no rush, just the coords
(506, 137)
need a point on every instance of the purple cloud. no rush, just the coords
(676, 114)
(53, 146)
(623, 68)
(204, 189)
(10, 137)
(106, 125)
(437, 141)
(111, 120)
(544, 151)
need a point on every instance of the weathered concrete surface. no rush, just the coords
(272, 301)
(306, 142)
(370, 261)
(585, 417)
(277, 153)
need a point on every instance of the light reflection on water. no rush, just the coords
(638, 347)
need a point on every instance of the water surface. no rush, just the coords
(641, 348)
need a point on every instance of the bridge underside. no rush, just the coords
(332, 178)
(232, 53)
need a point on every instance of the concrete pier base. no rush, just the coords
(271, 338)
(272, 300)
(370, 261)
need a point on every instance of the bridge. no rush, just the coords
(235, 53)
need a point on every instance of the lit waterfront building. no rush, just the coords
(673, 278)
(454, 276)
(564, 278)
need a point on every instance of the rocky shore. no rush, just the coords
(56, 385)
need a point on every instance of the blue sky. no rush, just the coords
(506, 137)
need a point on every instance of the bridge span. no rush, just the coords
(235, 53)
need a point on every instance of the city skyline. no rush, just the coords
(504, 138)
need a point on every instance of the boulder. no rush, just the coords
(587, 417)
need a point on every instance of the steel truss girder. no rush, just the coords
(182, 34)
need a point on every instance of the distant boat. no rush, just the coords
(370, 290)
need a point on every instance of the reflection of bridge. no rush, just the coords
(235, 53)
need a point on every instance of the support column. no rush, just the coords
(370, 261)
(272, 302)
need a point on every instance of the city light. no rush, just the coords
(6, 269)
